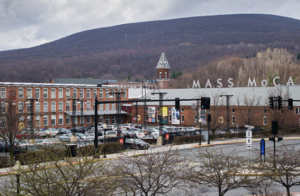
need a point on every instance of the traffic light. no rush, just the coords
(279, 102)
(279, 139)
(209, 118)
(205, 103)
(290, 104)
(177, 103)
(274, 127)
(271, 139)
(271, 101)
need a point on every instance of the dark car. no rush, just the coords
(131, 133)
(136, 143)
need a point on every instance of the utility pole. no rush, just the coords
(32, 117)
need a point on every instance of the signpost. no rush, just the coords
(248, 139)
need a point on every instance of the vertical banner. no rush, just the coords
(175, 116)
(163, 115)
(151, 114)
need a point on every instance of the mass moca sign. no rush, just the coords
(251, 83)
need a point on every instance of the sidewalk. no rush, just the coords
(8, 171)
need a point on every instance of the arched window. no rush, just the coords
(166, 75)
(160, 75)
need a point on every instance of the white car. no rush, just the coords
(154, 132)
(140, 134)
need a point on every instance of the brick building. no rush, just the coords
(53, 103)
(246, 105)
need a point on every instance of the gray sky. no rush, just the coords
(27, 23)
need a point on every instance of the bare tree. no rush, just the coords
(81, 176)
(153, 173)
(287, 169)
(248, 110)
(10, 119)
(218, 169)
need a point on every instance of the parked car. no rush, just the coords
(140, 134)
(124, 133)
(136, 143)
(150, 139)
(127, 126)
(138, 126)
(41, 133)
(23, 134)
(131, 133)
(90, 137)
(61, 131)
(65, 138)
(80, 136)
(51, 132)
(44, 143)
(154, 132)
(224, 131)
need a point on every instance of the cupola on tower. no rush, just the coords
(163, 68)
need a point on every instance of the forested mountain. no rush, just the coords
(115, 52)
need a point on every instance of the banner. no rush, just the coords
(163, 115)
(175, 116)
(151, 114)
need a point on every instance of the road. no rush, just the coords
(241, 150)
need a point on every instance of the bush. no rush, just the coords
(4, 161)
(41, 156)
(186, 139)
(113, 147)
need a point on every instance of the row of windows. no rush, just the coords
(45, 91)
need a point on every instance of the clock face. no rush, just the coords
(221, 119)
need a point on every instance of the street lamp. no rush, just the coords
(200, 121)
(104, 148)
(224, 94)
(17, 170)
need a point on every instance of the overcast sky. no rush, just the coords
(27, 23)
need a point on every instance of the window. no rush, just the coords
(157, 117)
(68, 120)
(21, 107)
(113, 93)
(107, 106)
(60, 93)
(249, 110)
(170, 118)
(45, 121)
(265, 120)
(82, 93)
(113, 120)
(125, 94)
(61, 119)
(45, 107)
(101, 119)
(68, 106)
(53, 93)
(37, 121)
(158, 109)
(160, 75)
(74, 93)
(88, 106)
(88, 119)
(88, 93)
(37, 107)
(166, 75)
(53, 120)
(53, 106)
(29, 93)
(107, 120)
(45, 93)
(113, 106)
(21, 93)
(37, 93)
(106, 93)
(3, 107)
(94, 93)
(68, 93)
(182, 109)
(101, 93)
(101, 106)
(249, 119)
(60, 106)
(2, 93)
(265, 110)
(153, 87)
(297, 110)
(29, 121)
(233, 120)
(233, 110)
(28, 109)
(74, 118)
(81, 120)
(182, 118)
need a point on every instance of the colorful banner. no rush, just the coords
(175, 116)
(163, 115)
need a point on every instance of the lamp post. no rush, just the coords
(161, 95)
(200, 121)
(118, 98)
(227, 105)
(104, 148)
(96, 128)
(17, 170)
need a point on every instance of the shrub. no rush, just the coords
(4, 161)
(113, 147)
(186, 139)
